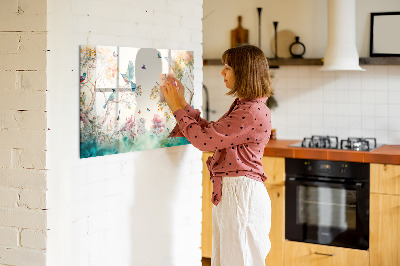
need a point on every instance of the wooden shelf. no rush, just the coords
(380, 61)
(274, 63)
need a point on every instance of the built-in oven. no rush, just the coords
(327, 202)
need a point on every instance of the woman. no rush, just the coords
(242, 208)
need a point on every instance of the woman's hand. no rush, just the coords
(181, 91)
(173, 94)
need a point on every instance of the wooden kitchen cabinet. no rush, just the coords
(384, 236)
(305, 254)
(274, 168)
(385, 215)
(206, 225)
(277, 233)
(385, 178)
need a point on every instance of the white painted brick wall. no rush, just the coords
(23, 128)
(34, 239)
(9, 237)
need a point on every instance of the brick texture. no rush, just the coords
(23, 125)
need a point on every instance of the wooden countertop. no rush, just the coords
(389, 154)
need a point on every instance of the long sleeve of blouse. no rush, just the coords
(193, 113)
(238, 140)
(207, 136)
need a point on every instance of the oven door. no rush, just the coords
(327, 213)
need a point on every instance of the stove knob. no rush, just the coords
(343, 168)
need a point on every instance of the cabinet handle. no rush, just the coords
(324, 254)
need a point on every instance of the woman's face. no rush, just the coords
(229, 76)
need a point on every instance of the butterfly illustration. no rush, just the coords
(115, 54)
(148, 109)
(159, 56)
(129, 75)
(83, 77)
(143, 67)
(139, 112)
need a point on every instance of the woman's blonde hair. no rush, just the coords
(250, 66)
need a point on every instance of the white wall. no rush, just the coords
(23, 133)
(139, 208)
(306, 19)
(311, 102)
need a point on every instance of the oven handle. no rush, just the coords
(357, 185)
(324, 254)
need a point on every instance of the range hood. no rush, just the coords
(341, 51)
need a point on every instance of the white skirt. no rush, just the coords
(241, 223)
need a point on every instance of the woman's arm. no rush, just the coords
(237, 128)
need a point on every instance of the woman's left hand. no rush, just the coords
(170, 90)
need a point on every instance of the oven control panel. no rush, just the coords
(338, 169)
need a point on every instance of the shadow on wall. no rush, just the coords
(156, 175)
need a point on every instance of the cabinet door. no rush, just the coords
(274, 168)
(385, 178)
(277, 233)
(206, 232)
(384, 230)
(304, 254)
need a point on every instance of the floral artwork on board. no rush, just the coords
(121, 107)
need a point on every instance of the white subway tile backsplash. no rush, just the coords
(329, 109)
(342, 109)
(394, 82)
(368, 122)
(381, 110)
(394, 96)
(354, 80)
(345, 102)
(291, 71)
(304, 82)
(304, 72)
(394, 110)
(381, 122)
(355, 132)
(292, 82)
(381, 97)
(382, 136)
(329, 93)
(381, 84)
(394, 71)
(394, 123)
(367, 133)
(342, 80)
(355, 96)
(394, 137)
(380, 71)
(355, 122)
(342, 96)
(342, 122)
(367, 96)
(367, 110)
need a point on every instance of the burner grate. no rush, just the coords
(327, 142)
(358, 144)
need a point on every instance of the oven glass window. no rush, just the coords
(326, 207)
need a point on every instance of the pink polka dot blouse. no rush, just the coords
(238, 139)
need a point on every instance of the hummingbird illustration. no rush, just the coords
(110, 99)
(129, 76)
(83, 77)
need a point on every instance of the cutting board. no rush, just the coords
(239, 35)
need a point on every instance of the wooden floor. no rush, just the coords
(206, 261)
